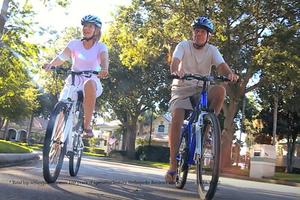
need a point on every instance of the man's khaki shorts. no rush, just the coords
(183, 97)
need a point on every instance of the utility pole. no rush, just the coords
(151, 120)
(275, 114)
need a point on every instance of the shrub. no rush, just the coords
(94, 150)
(153, 153)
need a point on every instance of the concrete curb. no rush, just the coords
(265, 180)
(7, 159)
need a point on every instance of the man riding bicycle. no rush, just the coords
(194, 56)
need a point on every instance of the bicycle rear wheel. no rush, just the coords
(182, 161)
(75, 156)
(209, 160)
(54, 150)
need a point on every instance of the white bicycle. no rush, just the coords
(64, 131)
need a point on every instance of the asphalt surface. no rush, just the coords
(14, 159)
(101, 178)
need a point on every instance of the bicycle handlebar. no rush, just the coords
(200, 77)
(61, 70)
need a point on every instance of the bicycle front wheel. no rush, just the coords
(54, 150)
(209, 160)
(75, 156)
(182, 161)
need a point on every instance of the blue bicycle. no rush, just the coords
(200, 142)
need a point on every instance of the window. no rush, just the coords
(161, 128)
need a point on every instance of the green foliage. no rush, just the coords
(141, 141)
(93, 150)
(280, 61)
(153, 153)
(17, 93)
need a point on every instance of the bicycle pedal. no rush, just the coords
(70, 153)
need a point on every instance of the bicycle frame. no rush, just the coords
(196, 122)
(70, 100)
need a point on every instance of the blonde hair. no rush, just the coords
(97, 34)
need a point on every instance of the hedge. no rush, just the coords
(153, 153)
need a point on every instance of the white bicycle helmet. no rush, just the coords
(91, 19)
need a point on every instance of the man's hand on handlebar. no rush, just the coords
(233, 77)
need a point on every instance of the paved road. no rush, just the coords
(100, 179)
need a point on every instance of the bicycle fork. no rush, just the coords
(198, 134)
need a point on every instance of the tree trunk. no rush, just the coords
(275, 119)
(131, 136)
(289, 156)
(30, 126)
(1, 122)
(6, 130)
(290, 153)
(131, 128)
(226, 148)
(124, 141)
(227, 134)
(3, 16)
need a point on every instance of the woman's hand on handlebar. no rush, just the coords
(103, 74)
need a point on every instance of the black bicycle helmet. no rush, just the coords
(203, 22)
(91, 19)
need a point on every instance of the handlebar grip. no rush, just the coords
(224, 78)
(173, 76)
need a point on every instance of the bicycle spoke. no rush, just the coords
(182, 165)
(54, 149)
(208, 161)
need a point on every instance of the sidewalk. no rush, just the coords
(265, 180)
(9, 159)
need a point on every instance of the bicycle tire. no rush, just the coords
(182, 161)
(75, 156)
(55, 125)
(208, 164)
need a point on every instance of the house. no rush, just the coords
(106, 132)
(159, 132)
(281, 151)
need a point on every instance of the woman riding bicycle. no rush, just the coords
(194, 56)
(87, 54)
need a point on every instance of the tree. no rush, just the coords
(17, 92)
(3, 15)
(282, 60)
(241, 26)
(129, 92)
(288, 125)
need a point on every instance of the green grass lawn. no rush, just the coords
(287, 177)
(93, 154)
(12, 147)
(152, 164)
(36, 147)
